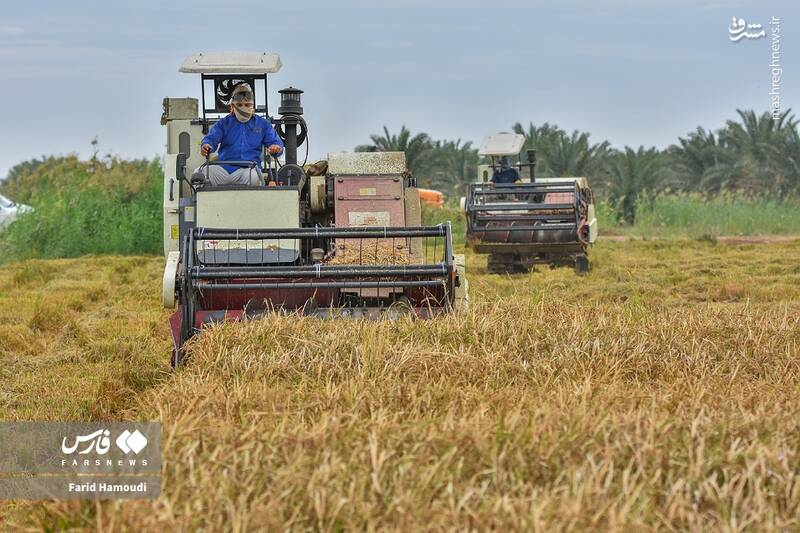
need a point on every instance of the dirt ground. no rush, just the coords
(725, 239)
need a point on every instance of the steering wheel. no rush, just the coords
(250, 164)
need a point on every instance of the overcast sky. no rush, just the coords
(632, 72)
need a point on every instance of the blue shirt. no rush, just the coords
(241, 142)
(509, 175)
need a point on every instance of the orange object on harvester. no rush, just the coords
(431, 197)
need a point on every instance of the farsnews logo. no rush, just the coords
(131, 442)
(100, 442)
(97, 441)
(115, 459)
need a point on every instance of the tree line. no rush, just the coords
(755, 155)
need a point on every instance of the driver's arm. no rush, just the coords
(271, 138)
(214, 136)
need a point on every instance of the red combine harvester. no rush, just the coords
(340, 238)
(520, 219)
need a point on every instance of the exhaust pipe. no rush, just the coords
(532, 164)
(291, 112)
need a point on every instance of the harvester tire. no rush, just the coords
(509, 264)
(581, 264)
(400, 307)
(186, 330)
(179, 353)
(176, 359)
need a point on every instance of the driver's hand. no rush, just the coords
(274, 149)
(205, 150)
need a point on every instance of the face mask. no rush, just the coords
(243, 114)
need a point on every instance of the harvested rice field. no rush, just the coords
(660, 392)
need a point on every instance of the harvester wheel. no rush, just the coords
(509, 264)
(309, 307)
(176, 359)
(185, 332)
(179, 353)
(581, 264)
(400, 307)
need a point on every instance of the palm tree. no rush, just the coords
(559, 154)
(755, 134)
(415, 148)
(759, 154)
(631, 173)
(574, 156)
(764, 151)
(786, 160)
(450, 166)
(542, 139)
(699, 162)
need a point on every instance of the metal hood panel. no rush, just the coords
(232, 63)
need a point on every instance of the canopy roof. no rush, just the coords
(232, 63)
(500, 144)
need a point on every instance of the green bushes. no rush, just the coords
(113, 206)
(450, 212)
(674, 215)
(693, 215)
(87, 207)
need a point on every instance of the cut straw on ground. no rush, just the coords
(658, 392)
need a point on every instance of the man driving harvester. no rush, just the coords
(506, 173)
(239, 136)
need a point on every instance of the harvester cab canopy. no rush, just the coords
(502, 144)
(501, 148)
(222, 72)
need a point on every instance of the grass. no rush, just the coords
(86, 207)
(677, 216)
(113, 206)
(695, 216)
(659, 392)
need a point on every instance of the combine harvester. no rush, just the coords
(521, 220)
(340, 238)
